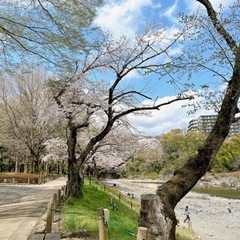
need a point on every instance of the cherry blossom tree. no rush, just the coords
(27, 116)
(110, 156)
(100, 92)
(55, 152)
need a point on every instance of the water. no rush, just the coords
(212, 191)
(218, 192)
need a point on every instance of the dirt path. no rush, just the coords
(22, 206)
(210, 217)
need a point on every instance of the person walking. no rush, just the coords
(186, 213)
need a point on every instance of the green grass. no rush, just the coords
(122, 223)
(81, 216)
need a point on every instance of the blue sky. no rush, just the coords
(125, 17)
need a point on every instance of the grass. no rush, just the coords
(81, 216)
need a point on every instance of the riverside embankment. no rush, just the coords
(210, 217)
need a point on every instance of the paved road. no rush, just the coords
(28, 204)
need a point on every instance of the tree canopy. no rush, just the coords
(52, 30)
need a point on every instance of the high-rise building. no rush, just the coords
(205, 123)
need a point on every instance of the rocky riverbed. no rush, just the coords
(210, 216)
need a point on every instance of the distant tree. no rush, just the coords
(145, 164)
(121, 149)
(178, 146)
(113, 152)
(56, 150)
(228, 156)
(218, 51)
(26, 120)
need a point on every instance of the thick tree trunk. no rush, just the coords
(75, 181)
(154, 212)
(74, 184)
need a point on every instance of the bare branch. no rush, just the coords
(157, 107)
(218, 26)
(131, 92)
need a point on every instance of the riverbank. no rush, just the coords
(210, 217)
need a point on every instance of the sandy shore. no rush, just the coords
(209, 215)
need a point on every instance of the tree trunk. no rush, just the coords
(74, 184)
(26, 166)
(17, 165)
(153, 212)
(75, 181)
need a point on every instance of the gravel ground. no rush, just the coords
(10, 193)
(209, 215)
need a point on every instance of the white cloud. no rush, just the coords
(121, 17)
(169, 117)
(171, 13)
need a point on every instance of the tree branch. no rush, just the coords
(130, 92)
(132, 110)
(218, 26)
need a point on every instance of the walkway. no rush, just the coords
(18, 219)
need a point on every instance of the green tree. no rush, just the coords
(146, 163)
(178, 146)
(228, 156)
(51, 30)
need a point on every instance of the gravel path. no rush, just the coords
(21, 207)
(210, 217)
(10, 194)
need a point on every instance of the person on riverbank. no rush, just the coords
(186, 213)
(229, 208)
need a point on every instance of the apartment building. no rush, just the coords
(205, 123)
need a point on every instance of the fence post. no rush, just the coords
(63, 193)
(66, 191)
(59, 197)
(142, 233)
(49, 219)
(101, 224)
(54, 200)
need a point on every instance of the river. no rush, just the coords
(225, 192)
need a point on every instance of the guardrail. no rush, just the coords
(121, 197)
(38, 179)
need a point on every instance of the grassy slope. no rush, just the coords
(80, 218)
